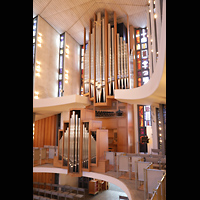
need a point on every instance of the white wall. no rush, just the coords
(72, 64)
(65, 179)
(48, 56)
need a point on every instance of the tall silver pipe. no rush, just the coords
(103, 61)
(98, 56)
(92, 64)
(74, 142)
(125, 63)
(119, 61)
(109, 60)
(122, 62)
(113, 63)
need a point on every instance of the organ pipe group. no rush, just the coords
(74, 147)
(105, 41)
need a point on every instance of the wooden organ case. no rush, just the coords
(79, 143)
(106, 60)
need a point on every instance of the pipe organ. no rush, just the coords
(106, 65)
(77, 143)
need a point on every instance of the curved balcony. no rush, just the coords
(52, 106)
(154, 91)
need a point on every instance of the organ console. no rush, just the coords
(106, 65)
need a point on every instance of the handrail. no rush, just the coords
(160, 192)
(41, 154)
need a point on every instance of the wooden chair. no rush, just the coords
(71, 191)
(41, 190)
(36, 197)
(66, 190)
(55, 191)
(78, 195)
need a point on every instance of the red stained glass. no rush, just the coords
(137, 36)
(139, 64)
(138, 55)
(139, 82)
(141, 115)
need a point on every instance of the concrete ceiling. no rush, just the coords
(72, 16)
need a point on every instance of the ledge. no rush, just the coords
(128, 186)
(52, 106)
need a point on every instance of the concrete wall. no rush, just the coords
(72, 64)
(48, 55)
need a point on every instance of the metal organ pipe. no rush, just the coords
(92, 64)
(98, 40)
(122, 63)
(85, 145)
(66, 133)
(74, 142)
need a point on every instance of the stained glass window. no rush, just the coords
(142, 63)
(144, 119)
(61, 65)
(34, 43)
(137, 36)
(82, 60)
(139, 82)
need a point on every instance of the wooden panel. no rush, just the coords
(122, 122)
(122, 140)
(44, 178)
(45, 131)
(108, 123)
(102, 143)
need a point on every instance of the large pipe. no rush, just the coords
(113, 64)
(109, 60)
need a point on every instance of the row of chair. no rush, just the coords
(41, 197)
(59, 190)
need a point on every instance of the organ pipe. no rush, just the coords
(65, 156)
(85, 149)
(96, 79)
(74, 142)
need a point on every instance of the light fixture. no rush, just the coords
(36, 95)
(67, 51)
(37, 68)
(155, 16)
(39, 39)
(66, 76)
(33, 130)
